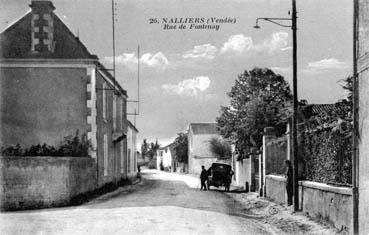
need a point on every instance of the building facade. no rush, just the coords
(51, 86)
(131, 150)
(165, 158)
(199, 136)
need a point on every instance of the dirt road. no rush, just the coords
(162, 203)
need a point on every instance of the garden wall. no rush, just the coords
(318, 200)
(245, 173)
(37, 182)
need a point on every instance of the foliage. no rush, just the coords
(153, 148)
(181, 147)
(74, 146)
(326, 145)
(348, 86)
(258, 99)
(327, 155)
(144, 149)
(221, 148)
(149, 150)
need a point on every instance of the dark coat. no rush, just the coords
(204, 175)
(289, 176)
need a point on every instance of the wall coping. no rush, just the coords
(326, 187)
(276, 177)
(315, 185)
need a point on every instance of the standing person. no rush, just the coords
(289, 182)
(203, 178)
(139, 173)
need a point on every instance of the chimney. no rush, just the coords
(42, 26)
(42, 6)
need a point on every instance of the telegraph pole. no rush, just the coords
(295, 110)
(293, 26)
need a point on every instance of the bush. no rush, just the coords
(74, 146)
(221, 148)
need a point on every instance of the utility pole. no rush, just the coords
(293, 26)
(295, 110)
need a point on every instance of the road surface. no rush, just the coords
(162, 203)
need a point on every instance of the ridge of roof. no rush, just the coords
(204, 128)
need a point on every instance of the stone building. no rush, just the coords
(165, 158)
(199, 136)
(131, 150)
(51, 86)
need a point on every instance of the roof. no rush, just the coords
(317, 109)
(167, 146)
(132, 126)
(101, 68)
(204, 128)
(16, 40)
(171, 148)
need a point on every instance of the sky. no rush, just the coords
(186, 73)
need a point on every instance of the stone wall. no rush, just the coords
(327, 202)
(42, 105)
(199, 152)
(275, 188)
(245, 173)
(276, 153)
(318, 200)
(37, 182)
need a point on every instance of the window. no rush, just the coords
(114, 112)
(104, 100)
(106, 155)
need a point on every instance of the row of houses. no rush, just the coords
(51, 86)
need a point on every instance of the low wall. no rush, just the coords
(275, 188)
(36, 182)
(330, 203)
(245, 173)
(318, 200)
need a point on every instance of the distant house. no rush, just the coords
(199, 136)
(51, 86)
(166, 158)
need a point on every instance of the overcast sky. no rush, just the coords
(185, 74)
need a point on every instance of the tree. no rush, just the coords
(348, 86)
(221, 148)
(181, 147)
(144, 149)
(258, 99)
(152, 149)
